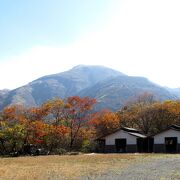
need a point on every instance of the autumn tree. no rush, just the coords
(174, 108)
(105, 122)
(57, 130)
(77, 114)
(56, 137)
(150, 118)
(55, 109)
(36, 113)
(12, 129)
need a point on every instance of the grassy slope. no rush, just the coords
(68, 167)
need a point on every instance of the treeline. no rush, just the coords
(148, 115)
(58, 126)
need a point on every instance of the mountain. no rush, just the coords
(62, 85)
(114, 92)
(175, 91)
(4, 92)
(111, 88)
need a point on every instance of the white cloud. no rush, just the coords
(141, 39)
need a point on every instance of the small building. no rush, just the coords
(125, 140)
(168, 141)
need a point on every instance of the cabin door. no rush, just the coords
(120, 145)
(145, 145)
(141, 145)
(171, 144)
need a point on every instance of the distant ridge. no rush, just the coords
(111, 88)
(115, 92)
(175, 91)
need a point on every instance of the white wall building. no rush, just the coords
(131, 140)
(124, 140)
(168, 141)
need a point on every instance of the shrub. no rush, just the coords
(60, 151)
(88, 146)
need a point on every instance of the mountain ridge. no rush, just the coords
(129, 86)
(95, 81)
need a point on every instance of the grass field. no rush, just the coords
(70, 167)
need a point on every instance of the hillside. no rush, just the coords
(175, 91)
(61, 85)
(111, 88)
(113, 93)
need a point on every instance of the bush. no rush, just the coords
(60, 151)
(88, 146)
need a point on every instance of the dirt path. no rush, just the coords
(166, 168)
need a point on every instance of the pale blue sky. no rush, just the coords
(40, 37)
(28, 23)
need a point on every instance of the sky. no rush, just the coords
(41, 37)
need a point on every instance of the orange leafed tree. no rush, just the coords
(77, 114)
(105, 122)
(55, 108)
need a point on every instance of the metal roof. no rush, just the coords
(138, 135)
(173, 126)
(130, 131)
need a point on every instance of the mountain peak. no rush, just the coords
(110, 87)
(89, 66)
(97, 69)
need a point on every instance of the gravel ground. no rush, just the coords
(161, 168)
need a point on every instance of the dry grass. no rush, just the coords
(65, 167)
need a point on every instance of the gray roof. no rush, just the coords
(127, 129)
(175, 127)
(138, 135)
(130, 131)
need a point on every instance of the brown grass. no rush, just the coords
(64, 167)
